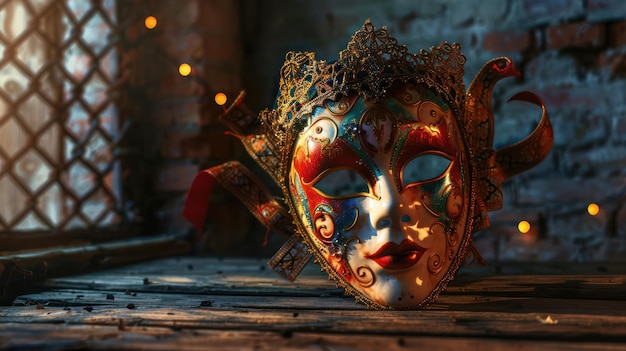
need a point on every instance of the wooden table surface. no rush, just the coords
(200, 303)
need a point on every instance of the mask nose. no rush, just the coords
(391, 210)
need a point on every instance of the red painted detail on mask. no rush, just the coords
(337, 154)
(395, 257)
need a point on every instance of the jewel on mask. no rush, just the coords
(336, 248)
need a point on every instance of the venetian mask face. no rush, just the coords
(381, 190)
(384, 186)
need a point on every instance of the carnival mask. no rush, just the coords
(385, 163)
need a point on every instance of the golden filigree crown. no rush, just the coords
(372, 62)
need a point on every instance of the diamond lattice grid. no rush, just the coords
(57, 120)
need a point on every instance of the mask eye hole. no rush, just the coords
(424, 168)
(342, 183)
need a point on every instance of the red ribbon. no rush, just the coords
(197, 203)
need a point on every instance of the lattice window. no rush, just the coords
(58, 120)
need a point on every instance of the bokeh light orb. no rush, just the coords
(220, 98)
(184, 69)
(523, 227)
(593, 209)
(150, 22)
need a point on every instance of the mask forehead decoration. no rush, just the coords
(386, 166)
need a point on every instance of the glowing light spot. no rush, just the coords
(422, 233)
(418, 281)
(184, 69)
(593, 209)
(150, 22)
(523, 227)
(174, 279)
(220, 98)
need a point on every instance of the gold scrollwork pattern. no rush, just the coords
(435, 263)
(436, 260)
(356, 218)
(452, 237)
(363, 274)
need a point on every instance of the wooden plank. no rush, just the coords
(202, 276)
(128, 337)
(609, 287)
(252, 277)
(95, 298)
(466, 302)
(209, 264)
(14, 243)
(543, 268)
(21, 272)
(170, 299)
(584, 325)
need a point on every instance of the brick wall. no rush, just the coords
(570, 52)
